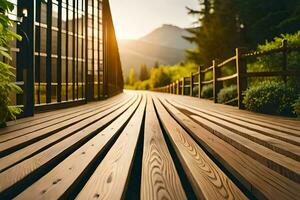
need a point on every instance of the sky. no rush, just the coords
(135, 18)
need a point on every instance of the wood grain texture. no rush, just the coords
(159, 176)
(267, 120)
(25, 168)
(41, 120)
(261, 152)
(111, 176)
(208, 181)
(40, 134)
(26, 152)
(281, 133)
(274, 144)
(278, 162)
(261, 181)
(59, 180)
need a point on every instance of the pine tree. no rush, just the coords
(144, 72)
(216, 34)
(132, 76)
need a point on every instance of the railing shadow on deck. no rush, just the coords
(186, 85)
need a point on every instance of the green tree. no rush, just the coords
(7, 111)
(143, 72)
(217, 34)
(223, 25)
(159, 78)
(132, 76)
(156, 65)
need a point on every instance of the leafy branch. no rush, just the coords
(7, 87)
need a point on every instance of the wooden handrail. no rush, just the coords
(207, 82)
(227, 77)
(207, 69)
(227, 61)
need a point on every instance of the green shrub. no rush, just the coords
(195, 91)
(207, 91)
(296, 107)
(7, 111)
(274, 62)
(227, 94)
(270, 98)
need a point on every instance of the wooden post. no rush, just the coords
(199, 81)
(174, 87)
(285, 59)
(191, 84)
(177, 87)
(216, 85)
(183, 86)
(241, 68)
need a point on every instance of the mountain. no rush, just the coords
(164, 45)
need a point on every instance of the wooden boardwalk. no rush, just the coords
(144, 145)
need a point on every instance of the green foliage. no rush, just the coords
(143, 72)
(274, 62)
(7, 111)
(270, 98)
(195, 91)
(227, 24)
(296, 107)
(207, 91)
(132, 76)
(227, 94)
(160, 76)
(213, 38)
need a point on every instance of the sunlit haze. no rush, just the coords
(135, 18)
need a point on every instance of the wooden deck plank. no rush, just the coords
(267, 120)
(284, 134)
(208, 181)
(27, 167)
(46, 116)
(159, 176)
(37, 125)
(73, 167)
(110, 179)
(35, 136)
(274, 144)
(261, 181)
(217, 147)
(26, 152)
(278, 162)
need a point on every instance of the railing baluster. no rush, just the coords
(216, 85)
(241, 68)
(199, 81)
(183, 86)
(191, 84)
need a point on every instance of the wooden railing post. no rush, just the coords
(241, 68)
(216, 85)
(183, 86)
(191, 84)
(285, 59)
(177, 87)
(174, 87)
(199, 81)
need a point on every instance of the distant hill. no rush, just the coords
(164, 44)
